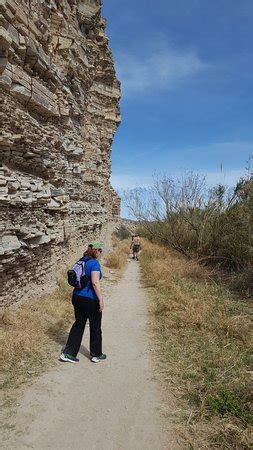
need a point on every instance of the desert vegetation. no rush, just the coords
(117, 257)
(197, 262)
(122, 233)
(213, 226)
(31, 334)
(202, 335)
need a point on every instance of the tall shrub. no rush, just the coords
(211, 225)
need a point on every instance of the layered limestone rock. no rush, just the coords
(60, 109)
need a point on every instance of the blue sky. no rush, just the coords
(186, 68)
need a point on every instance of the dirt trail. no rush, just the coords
(113, 405)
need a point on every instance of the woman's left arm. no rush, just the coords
(95, 280)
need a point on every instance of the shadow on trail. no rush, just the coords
(60, 336)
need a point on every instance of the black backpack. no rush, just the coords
(76, 275)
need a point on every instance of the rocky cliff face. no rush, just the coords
(60, 110)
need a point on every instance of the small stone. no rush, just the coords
(10, 243)
(5, 39)
(56, 192)
(3, 190)
(25, 184)
(53, 204)
(13, 186)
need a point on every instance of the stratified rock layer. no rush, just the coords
(60, 110)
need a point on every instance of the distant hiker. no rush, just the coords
(135, 246)
(88, 303)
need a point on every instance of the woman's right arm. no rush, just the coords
(96, 286)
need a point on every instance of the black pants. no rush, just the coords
(85, 308)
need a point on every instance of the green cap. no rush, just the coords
(95, 245)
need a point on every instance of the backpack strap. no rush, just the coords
(84, 260)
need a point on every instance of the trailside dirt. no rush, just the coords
(113, 405)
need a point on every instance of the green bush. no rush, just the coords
(228, 403)
(122, 233)
(214, 227)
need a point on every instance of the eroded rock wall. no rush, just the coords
(60, 110)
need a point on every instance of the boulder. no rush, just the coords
(8, 243)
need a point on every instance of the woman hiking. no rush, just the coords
(88, 303)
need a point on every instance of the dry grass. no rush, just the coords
(203, 337)
(117, 259)
(30, 335)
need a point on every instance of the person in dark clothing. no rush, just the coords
(88, 303)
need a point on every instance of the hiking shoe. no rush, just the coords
(97, 359)
(68, 358)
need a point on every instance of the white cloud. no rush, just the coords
(223, 152)
(159, 67)
(124, 182)
(228, 178)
